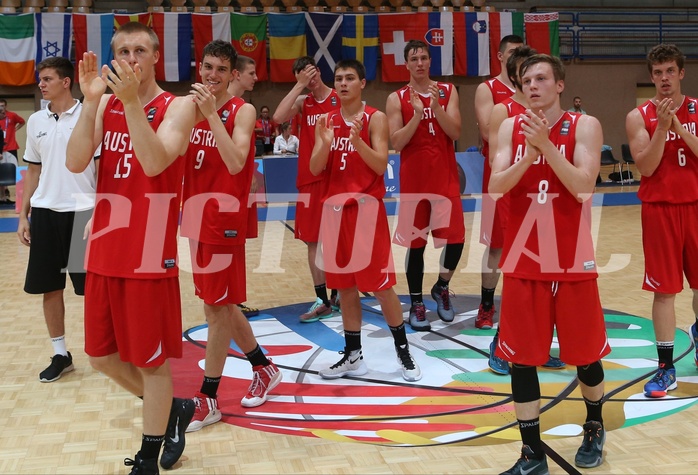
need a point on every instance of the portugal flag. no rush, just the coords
(249, 36)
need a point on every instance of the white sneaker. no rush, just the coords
(410, 368)
(351, 364)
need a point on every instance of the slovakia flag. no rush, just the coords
(439, 37)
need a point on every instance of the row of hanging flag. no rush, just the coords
(460, 43)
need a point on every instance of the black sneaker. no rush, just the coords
(141, 466)
(590, 453)
(59, 364)
(527, 465)
(180, 416)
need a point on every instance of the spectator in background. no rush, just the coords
(286, 144)
(577, 107)
(266, 130)
(10, 123)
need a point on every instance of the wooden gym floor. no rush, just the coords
(85, 424)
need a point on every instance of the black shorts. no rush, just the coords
(56, 248)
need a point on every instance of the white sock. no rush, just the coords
(59, 346)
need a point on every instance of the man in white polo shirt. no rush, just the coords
(60, 204)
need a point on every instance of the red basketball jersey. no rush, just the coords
(312, 110)
(346, 170)
(500, 92)
(676, 178)
(428, 161)
(548, 235)
(134, 228)
(206, 173)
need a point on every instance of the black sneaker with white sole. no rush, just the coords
(181, 415)
(60, 364)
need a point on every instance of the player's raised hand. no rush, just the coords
(357, 125)
(324, 130)
(123, 80)
(92, 85)
(434, 95)
(417, 103)
(205, 99)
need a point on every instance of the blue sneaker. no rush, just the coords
(554, 363)
(661, 383)
(497, 364)
(694, 334)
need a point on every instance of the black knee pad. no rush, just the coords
(524, 383)
(452, 254)
(591, 375)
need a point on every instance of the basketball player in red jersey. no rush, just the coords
(244, 79)
(662, 138)
(510, 107)
(487, 94)
(219, 167)
(351, 147)
(547, 160)
(424, 120)
(133, 321)
(320, 100)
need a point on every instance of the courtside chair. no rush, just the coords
(607, 158)
(8, 174)
(627, 161)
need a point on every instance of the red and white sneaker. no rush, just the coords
(264, 379)
(484, 318)
(205, 413)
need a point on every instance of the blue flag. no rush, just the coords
(323, 32)
(360, 41)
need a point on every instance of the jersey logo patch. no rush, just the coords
(169, 263)
(565, 130)
(225, 115)
(691, 107)
(230, 233)
(151, 113)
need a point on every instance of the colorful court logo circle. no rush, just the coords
(458, 400)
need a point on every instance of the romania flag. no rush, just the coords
(286, 43)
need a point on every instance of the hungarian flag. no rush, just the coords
(249, 35)
(501, 25)
(174, 32)
(360, 41)
(17, 49)
(286, 43)
(123, 18)
(209, 27)
(93, 32)
(472, 44)
(543, 32)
